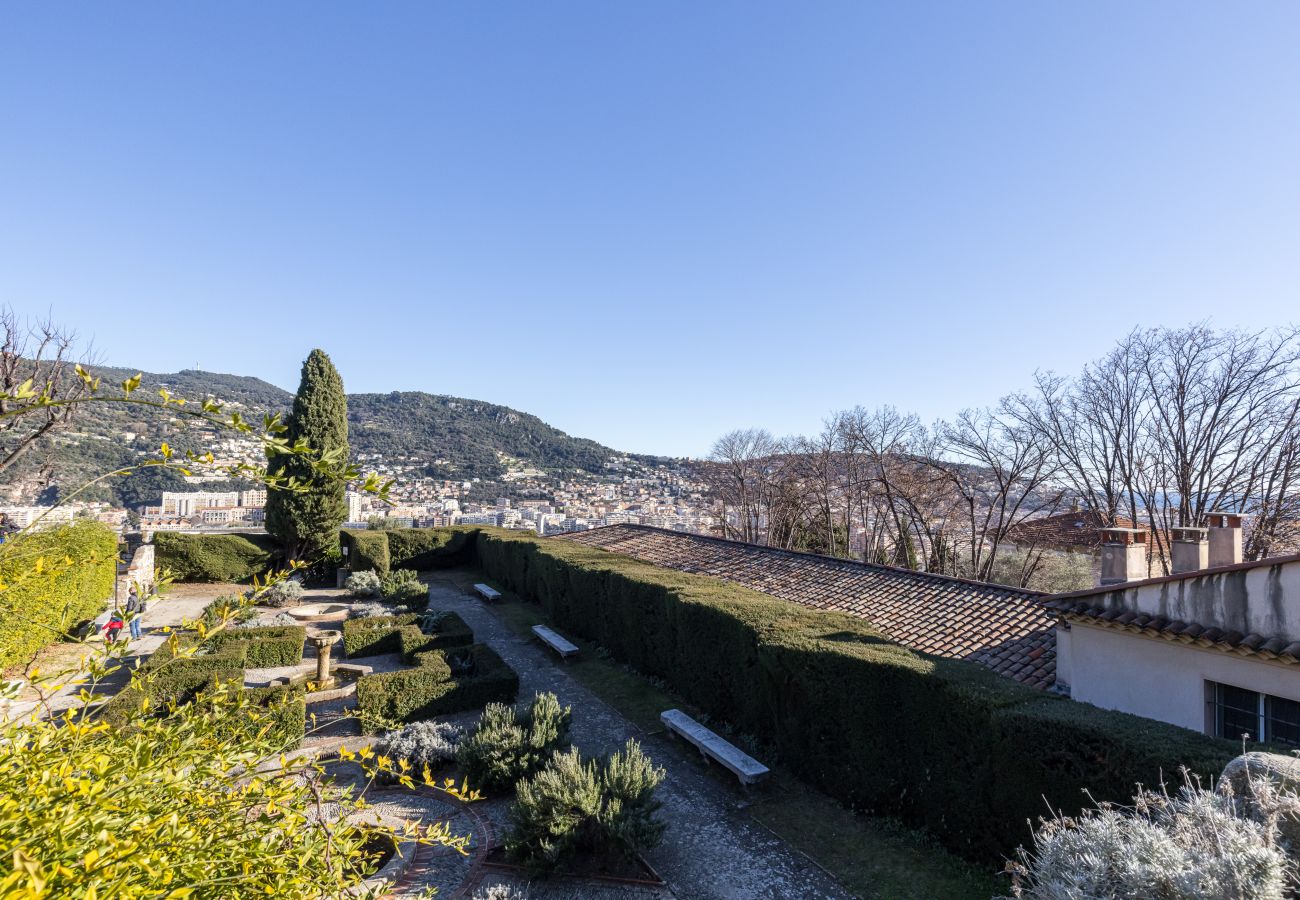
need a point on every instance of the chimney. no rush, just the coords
(1225, 538)
(1123, 555)
(1190, 552)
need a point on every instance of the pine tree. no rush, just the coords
(307, 523)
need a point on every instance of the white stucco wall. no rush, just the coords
(1262, 600)
(1161, 679)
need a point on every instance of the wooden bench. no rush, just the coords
(739, 763)
(556, 641)
(487, 592)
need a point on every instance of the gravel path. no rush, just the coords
(711, 849)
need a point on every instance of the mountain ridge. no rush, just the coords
(439, 435)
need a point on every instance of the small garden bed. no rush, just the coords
(407, 634)
(430, 689)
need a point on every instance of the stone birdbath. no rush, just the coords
(323, 641)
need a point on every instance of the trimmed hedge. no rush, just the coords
(73, 586)
(214, 557)
(376, 634)
(423, 549)
(367, 550)
(940, 743)
(429, 690)
(401, 634)
(264, 648)
(279, 712)
(420, 549)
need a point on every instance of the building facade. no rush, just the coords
(1214, 647)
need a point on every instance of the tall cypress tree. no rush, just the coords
(307, 523)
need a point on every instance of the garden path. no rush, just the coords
(711, 849)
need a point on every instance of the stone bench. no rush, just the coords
(556, 641)
(487, 592)
(739, 763)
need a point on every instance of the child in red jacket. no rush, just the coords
(112, 627)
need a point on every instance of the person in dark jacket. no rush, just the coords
(134, 612)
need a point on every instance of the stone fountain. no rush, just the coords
(323, 641)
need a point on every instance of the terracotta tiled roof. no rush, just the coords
(1077, 530)
(1006, 629)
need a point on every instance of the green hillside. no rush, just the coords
(451, 437)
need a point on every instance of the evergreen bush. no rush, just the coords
(432, 744)
(1192, 845)
(403, 586)
(367, 550)
(265, 647)
(373, 635)
(507, 745)
(306, 523)
(572, 807)
(287, 592)
(214, 558)
(363, 584)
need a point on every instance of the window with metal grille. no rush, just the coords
(1237, 711)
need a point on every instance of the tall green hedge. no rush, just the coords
(214, 557)
(51, 582)
(420, 549)
(941, 743)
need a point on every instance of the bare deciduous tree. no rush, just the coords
(35, 356)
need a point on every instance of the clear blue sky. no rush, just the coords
(649, 222)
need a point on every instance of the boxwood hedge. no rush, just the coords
(401, 634)
(941, 743)
(420, 549)
(428, 689)
(267, 647)
(214, 557)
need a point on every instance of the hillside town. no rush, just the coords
(664, 496)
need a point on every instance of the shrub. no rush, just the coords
(214, 557)
(431, 744)
(265, 620)
(264, 647)
(506, 746)
(1195, 844)
(501, 892)
(226, 608)
(429, 690)
(372, 635)
(363, 584)
(973, 758)
(572, 807)
(277, 714)
(73, 586)
(367, 550)
(403, 585)
(423, 549)
(287, 592)
(420, 549)
(370, 610)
